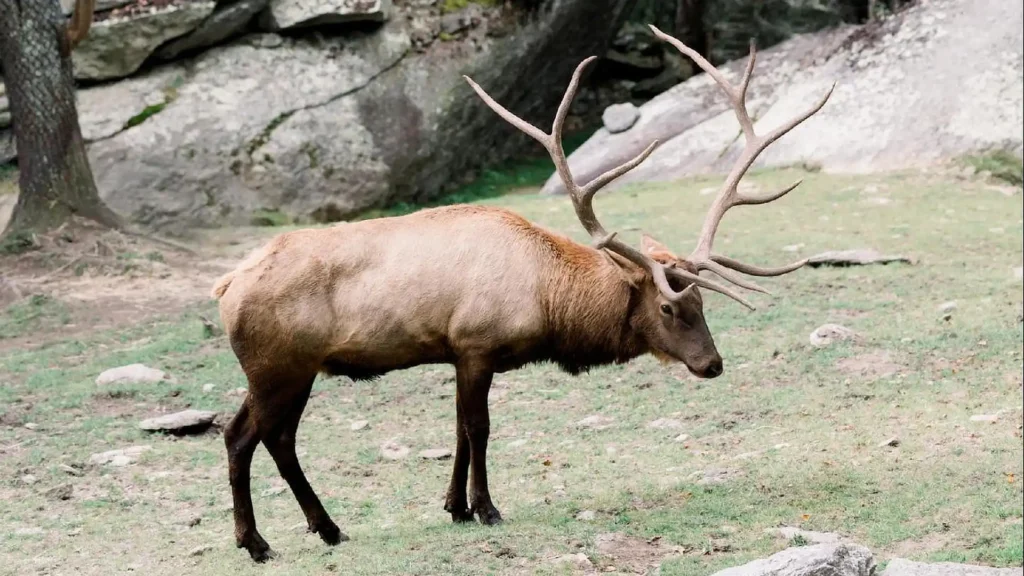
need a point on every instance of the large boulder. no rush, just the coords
(284, 14)
(324, 127)
(229, 19)
(919, 87)
(117, 47)
(901, 567)
(818, 560)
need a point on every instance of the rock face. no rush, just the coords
(919, 87)
(295, 13)
(901, 567)
(320, 127)
(817, 560)
(117, 47)
(226, 21)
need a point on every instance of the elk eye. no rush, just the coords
(666, 309)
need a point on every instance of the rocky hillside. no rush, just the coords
(202, 113)
(940, 79)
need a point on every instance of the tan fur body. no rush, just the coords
(364, 298)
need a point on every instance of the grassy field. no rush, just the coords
(790, 435)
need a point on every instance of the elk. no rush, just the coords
(479, 288)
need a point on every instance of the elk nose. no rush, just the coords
(714, 370)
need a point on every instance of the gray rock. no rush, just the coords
(115, 48)
(586, 516)
(620, 117)
(436, 454)
(320, 129)
(60, 492)
(904, 98)
(119, 458)
(200, 550)
(854, 258)
(29, 479)
(184, 422)
(828, 334)
(283, 14)
(792, 533)
(901, 567)
(392, 450)
(101, 5)
(596, 422)
(131, 374)
(358, 425)
(947, 307)
(227, 21)
(816, 560)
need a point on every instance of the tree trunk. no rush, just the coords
(55, 178)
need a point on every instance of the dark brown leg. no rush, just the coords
(474, 382)
(280, 442)
(456, 502)
(241, 437)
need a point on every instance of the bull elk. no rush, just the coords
(480, 288)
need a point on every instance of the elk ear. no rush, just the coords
(656, 250)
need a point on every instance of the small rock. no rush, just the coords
(854, 258)
(717, 476)
(827, 334)
(792, 248)
(60, 492)
(791, 533)
(29, 531)
(119, 458)
(29, 479)
(595, 422)
(665, 424)
(947, 307)
(577, 560)
(891, 442)
(586, 516)
(209, 387)
(131, 374)
(681, 438)
(358, 425)
(275, 491)
(436, 454)
(620, 117)
(517, 443)
(392, 450)
(200, 550)
(69, 470)
(238, 392)
(991, 418)
(31, 425)
(901, 567)
(184, 422)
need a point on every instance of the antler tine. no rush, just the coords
(81, 21)
(729, 196)
(582, 196)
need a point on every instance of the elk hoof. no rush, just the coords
(488, 516)
(330, 533)
(258, 549)
(462, 516)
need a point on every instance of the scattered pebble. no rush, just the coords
(29, 531)
(31, 425)
(436, 454)
(209, 387)
(392, 450)
(991, 418)
(69, 470)
(828, 334)
(60, 492)
(131, 374)
(29, 479)
(595, 422)
(358, 425)
(681, 438)
(790, 533)
(947, 307)
(119, 458)
(891, 442)
(586, 516)
(665, 424)
(184, 422)
(275, 491)
(578, 560)
(200, 550)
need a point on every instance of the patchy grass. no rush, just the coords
(791, 434)
(1000, 164)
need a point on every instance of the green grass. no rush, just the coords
(798, 427)
(1001, 164)
(32, 313)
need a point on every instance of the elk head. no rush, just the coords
(671, 316)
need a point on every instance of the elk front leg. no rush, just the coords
(455, 502)
(474, 382)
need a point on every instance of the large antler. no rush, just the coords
(729, 196)
(583, 196)
(81, 20)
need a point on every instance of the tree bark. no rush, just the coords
(56, 181)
